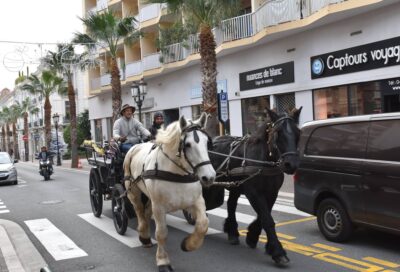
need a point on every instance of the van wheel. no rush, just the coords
(333, 220)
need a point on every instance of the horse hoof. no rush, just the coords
(233, 240)
(165, 268)
(281, 260)
(183, 245)
(251, 243)
(146, 242)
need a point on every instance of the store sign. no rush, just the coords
(360, 58)
(390, 86)
(268, 76)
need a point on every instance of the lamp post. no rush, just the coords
(139, 91)
(56, 118)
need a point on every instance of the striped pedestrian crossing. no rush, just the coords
(3, 208)
(61, 247)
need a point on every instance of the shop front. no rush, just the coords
(358, 98)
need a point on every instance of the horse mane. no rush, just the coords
(260, 134)
(170, 137)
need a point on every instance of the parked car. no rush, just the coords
(8, 173)
(349, 174)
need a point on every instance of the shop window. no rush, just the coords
(364, 98)
(285, 102)
(196, 112)
(254, 113)
(330, 102)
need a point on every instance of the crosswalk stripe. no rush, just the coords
(4, 211)
(105, 224)
(240, 217)
(182, 225)
(277, 207)
(3, 207)
(60, 246)
(291, 195)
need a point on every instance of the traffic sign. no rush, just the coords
(25, 137)
(223, 111)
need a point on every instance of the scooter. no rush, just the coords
(46, 170)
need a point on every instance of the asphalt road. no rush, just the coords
(56, 216)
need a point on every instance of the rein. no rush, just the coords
(169, 176)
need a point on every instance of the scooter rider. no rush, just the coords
(158, 121)
(128, 130)
(44, 155)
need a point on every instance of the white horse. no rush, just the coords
(169, 174)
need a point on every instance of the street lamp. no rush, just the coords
(139, 91)
(56, 118)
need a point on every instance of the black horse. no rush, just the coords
(266, 155)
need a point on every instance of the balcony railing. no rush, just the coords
(134, 68)
(95, 84)
(151, 61)
(150, 12)
(105, 80)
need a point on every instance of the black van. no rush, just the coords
(349, 173)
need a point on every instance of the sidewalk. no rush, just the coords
(17, 253)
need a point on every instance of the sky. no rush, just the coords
(35, 21)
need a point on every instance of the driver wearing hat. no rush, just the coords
(127, 130)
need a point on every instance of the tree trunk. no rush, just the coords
(116, 89)
(47, 122)
(72, 116)
(3, 136)
(7, 138)
(208, 59)
(26, 132)
(15, 138)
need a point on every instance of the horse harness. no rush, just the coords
(271, 168)
(189, 177)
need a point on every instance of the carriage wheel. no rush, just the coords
(95, 191)
(120, 217)
(189, 218)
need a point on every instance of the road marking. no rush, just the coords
(105, 224)
(276, 207)
(10, 256)
(295, 221)
(22, 186)
(3, 207)
(240, 217)
(330, 248)
(1, 202)
(60, 246)
(4, 211)
(181, 224)
(286, 194)
(381, 262)
(347, 262)
(22, 181)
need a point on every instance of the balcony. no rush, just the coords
(105, 80)
(151, 61)
(134, 68)
(149, 12)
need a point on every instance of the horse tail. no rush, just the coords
(127, 163)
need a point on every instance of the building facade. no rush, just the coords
(332, 57)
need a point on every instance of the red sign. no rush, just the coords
(25, 137)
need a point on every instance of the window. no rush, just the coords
(196, 112)
(383, 142)
(330, 102)
(285, 102)
(98, 133)
(67, 118)
(344, 140)
(254, 113)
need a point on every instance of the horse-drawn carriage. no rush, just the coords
(106, 182)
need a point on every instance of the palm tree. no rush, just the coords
(206, 14)
(46, 84)
(64, 61)
(6, 117)
(27, 107)
(15, 113)
(106, 29)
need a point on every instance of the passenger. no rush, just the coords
(158, 121)
(128, 130)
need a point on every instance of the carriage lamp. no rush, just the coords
(139, 91)
(56, 118)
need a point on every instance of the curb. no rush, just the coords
(18, 251)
